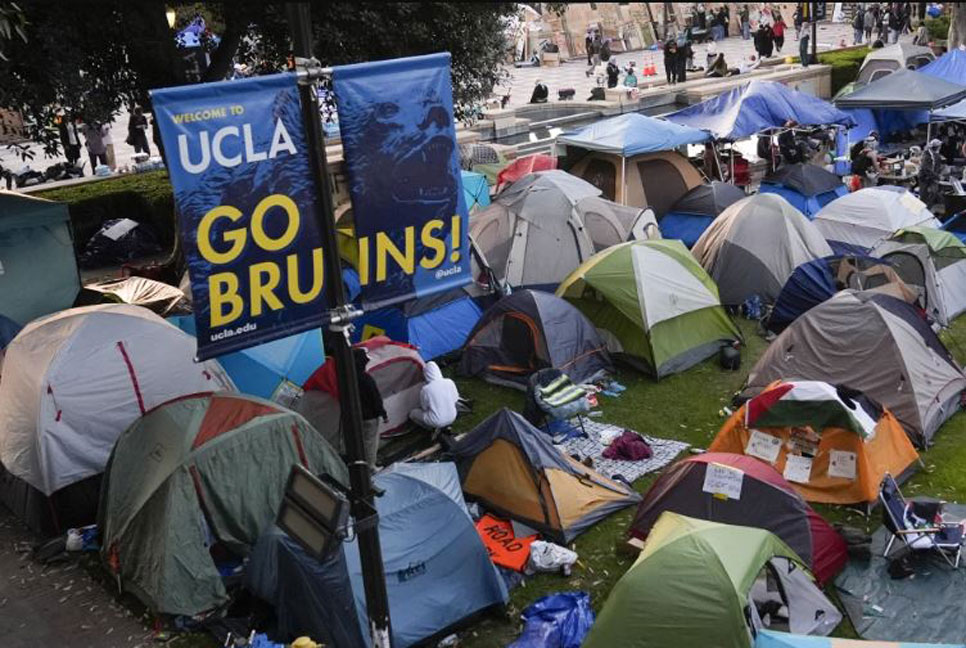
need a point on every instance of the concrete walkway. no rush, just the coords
(59, 605)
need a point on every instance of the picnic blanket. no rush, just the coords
(665, 450)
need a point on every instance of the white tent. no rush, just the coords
(859, 221)
(73, 381)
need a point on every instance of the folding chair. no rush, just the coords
(919, 525)
(552, 396)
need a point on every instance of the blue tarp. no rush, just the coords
(475, 189)
(884, 122)
(559, 620)
(951, 66)
(437, 568)
(771, 639)
(262, 369)
(756, 106)
(632, 134)
(808, 205)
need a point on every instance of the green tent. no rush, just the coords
(38, 269)
(701, 583)
(654, 304)
(198, 471)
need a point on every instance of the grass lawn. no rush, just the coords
(687, 407)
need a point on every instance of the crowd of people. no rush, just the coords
(97, 141)
(886, 21)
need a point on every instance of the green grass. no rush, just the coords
(687, 407)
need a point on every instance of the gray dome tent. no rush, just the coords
(874, 343)
(753, 247)
(531, 330)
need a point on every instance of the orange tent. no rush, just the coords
(833, 444)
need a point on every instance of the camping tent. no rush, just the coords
(156, 296)
(194, 477)
(514, 470)
(476, 191)
(632, 134)
(835, 444)
(691, 214)
(933, 262)
(857, 222)
(755, 245)
(274, 370)
(653, 305)
(437, 569)
(815, 281)
(876, 344)
(546, 224)
(765, 501)
(701, 583)
(73, 381)
(436, 325)
(757, 106)
(36, 249)
(807, 187)
(397, 369)
(528, 331)
(884, 61)
(904, 90)
(771, 639)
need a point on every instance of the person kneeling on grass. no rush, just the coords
(437, 400)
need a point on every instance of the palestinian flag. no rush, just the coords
(813, 403)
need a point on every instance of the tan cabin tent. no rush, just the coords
(655, 180)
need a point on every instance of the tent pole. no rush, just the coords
(624, 180)
(732, 163)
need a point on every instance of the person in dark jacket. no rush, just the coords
(671, 61)
(373, 408)
(137, 131)
(613, 73)
(540, 93)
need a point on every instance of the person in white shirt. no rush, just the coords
(437, 400)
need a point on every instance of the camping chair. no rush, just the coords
(932, 533)
(552, 396)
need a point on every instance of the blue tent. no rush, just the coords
(811, 284)
(632, 134)
(757, 106)
(438, 572)
(691, 214)
(8, 331)
(772, 639)
(475, 189)
(807, 187)
(951, 66)
(271, 370)
(956, 224)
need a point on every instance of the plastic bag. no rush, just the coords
(550, 557)
(559, 620)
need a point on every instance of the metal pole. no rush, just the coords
(370, 552)
(623, 180)
(814, 60)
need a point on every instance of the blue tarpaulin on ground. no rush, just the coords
(632, 134)
(756, 106)
(559, 620)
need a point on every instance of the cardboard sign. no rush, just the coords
(723, 481)
(798, 469)
(505, 549)
(764, 446)
(841, 464)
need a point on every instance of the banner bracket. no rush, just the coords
(340, 319)
(310, 70)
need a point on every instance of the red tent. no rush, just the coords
(738, 489)
(524, 166)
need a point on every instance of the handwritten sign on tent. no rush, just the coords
(723, 482)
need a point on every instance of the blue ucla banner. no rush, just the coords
(248, 208)
(402, 164)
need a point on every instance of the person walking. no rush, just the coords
(778, 32)
(726, 18)
(745, 19)
(857, 27)
(589, 45)
(797, 20)
(895, 25)
(803, 52)
(882, 26)
(137, 131)
(96, 138)
(373, 408)
(868, 23)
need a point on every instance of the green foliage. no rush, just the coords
(12, 23)
(845, 65)
(938, 28)
(143, 197)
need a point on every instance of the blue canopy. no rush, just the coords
(951, 66)
(269, 370)
(884, 122)
(475, 189)
(632, 134)
(757, 106)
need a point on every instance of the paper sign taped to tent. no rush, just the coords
(248, 207)
(505, 549)
(798, 469)
(723, 481)
(409, 210)
(764, 446)
(841, 464)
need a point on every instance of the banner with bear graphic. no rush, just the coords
(248, 209)
(402, 164)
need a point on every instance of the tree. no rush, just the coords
(957, 26)
(92, 58)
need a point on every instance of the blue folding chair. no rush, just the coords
(919, 524)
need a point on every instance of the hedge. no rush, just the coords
(845, 65)
(143, 197)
